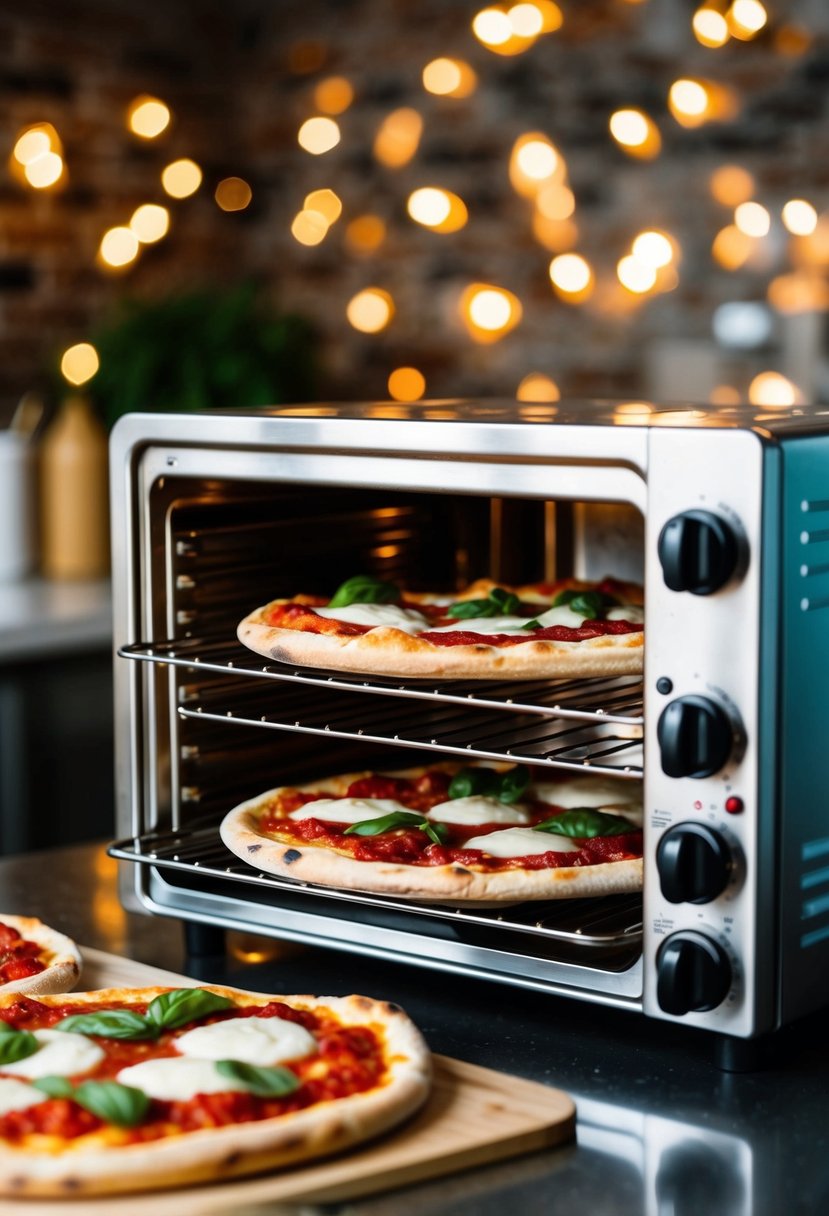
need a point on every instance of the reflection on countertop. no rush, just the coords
(40, 617)
(660, 1131)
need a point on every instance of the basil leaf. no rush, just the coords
(532, 625)
(498, 603)
(470, 781)
(115, 1103)
(264, 1082)
(5, 1028)
(588, 604)
(397, 819)
(584, 822)
(364, 589)
(17, 1045)
(173, 1009)
(513, 783)
(55, 1087)
(110, 1024)
(438, 833)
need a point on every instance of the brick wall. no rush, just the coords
(239, 80)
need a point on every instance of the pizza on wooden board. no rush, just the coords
(488, 631)
(35, 958)
(132, 1089)
(448, 833)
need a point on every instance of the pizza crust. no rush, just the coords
(452, 883)
(91, 1166)
(63, 967)
(389, 651)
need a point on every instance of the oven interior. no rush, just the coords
(218, 724)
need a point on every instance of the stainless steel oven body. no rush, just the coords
(725, 516)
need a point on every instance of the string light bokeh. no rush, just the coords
(506, 199)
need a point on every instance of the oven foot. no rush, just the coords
(202, 940)
(738, 1055)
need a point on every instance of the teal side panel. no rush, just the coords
(804, 728)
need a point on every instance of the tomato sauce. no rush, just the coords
(353, 1058)
(18, 957)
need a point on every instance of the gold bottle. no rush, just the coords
(74, 511)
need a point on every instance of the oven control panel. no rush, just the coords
(702, 643)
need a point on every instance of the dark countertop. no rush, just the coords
(661, 1132)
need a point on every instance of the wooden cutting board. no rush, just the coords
(474, 1116)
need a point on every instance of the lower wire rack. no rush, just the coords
(605, 924)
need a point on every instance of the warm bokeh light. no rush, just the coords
(731, 247)
(653, 248)
(449, 78)
(636, 276)
(752, 218)
(181, 178)
(309, 227)
(552, 17)
(492, 27)
(689, 101)
(526, 20)
(79, 363)
(724, 394)
(233, 194)
(365, 234)
(32, 144)
(534, 162)
(636, 133)
(147, 117)
(44, 171)
(555, 201)
(406, 384)
(119, 246)
(731, 185)
(489, 312)
(440, 210)
(333, 95)
(746, 18)
(326, 202)
(572, 277)
(558, 236)
(799, 292)
(398, 138)
(318, 135)
(150, 223)
(710, 27)
(772, 388)
(537, 387)
(370, 310)
(799, 217)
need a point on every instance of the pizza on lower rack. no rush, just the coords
(449, 833)
(488, 631)
(35, 958)
(131, 1089)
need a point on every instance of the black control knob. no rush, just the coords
(698, 552)
(692, 973)
(695, 737)
(694, 864)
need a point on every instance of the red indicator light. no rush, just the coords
(698, 805)
(734, 805)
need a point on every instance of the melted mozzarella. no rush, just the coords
(177, 1078)
(591, 791)
(17, 1095)
(264, 1041)
(627, 612)
(60, 1054)
(476, 810)
(487, 624)
(347, 810)
(378, 614)
(562, 615)
(521, 842)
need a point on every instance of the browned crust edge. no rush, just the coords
(62, 970)
(241, 833)
(226, 1152)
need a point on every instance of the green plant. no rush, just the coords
(200, 350)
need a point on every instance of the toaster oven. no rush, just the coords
(723, 513)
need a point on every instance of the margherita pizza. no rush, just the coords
(448, 833)
(35, 958)
(138, 1089)
(542, 630)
